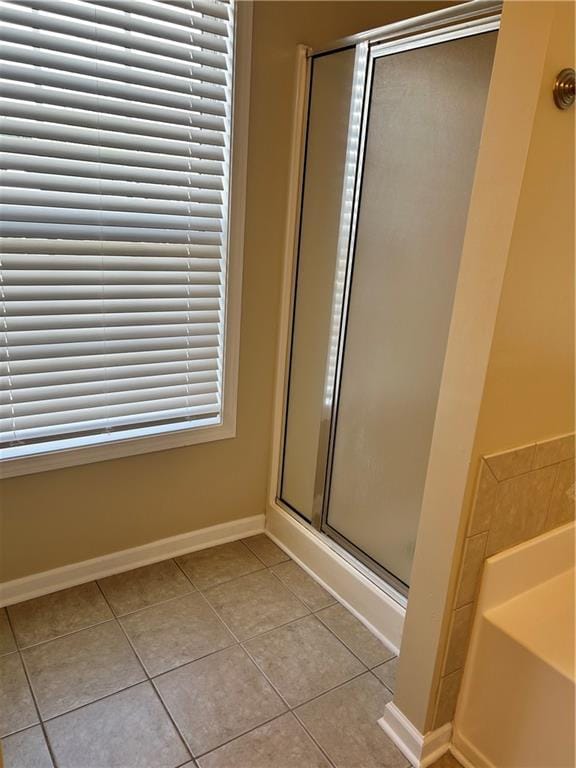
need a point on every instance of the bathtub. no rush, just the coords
(516, 707)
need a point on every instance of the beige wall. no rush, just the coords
(529, 390)
(54, 518)
(508, 373)
(529, 393)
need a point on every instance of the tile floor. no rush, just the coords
(227, 657)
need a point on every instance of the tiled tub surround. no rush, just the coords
(520, 494)
(230, 656)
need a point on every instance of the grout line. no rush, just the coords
(313, 738)
(290, 589)
(265, 676)
(276, 688)
(220, 619)
(258, 634)
(234, 578)
(149, 680)
(382, 681)
(244, 733)
(345, 644)
(267, 565)
(261, 567)
(34, 700)
(94, 701)
(177, 564)
(153, 605)
(314, 698)
(267, 722)
(254, 553)
(65, 634)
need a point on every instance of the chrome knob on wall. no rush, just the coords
(563, 91)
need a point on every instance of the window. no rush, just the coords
(119, 323)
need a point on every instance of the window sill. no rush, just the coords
(115, 448)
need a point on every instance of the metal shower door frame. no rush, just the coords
(465, 20)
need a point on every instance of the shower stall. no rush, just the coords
(393, 125)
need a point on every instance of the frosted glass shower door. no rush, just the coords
(426, 108)
(323, 184)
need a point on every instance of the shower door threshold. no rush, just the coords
(382, 579)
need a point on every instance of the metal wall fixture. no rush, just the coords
(564, 88)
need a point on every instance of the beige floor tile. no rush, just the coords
(387, 673)
(176, 632)
(59, 613)
(303, 659)
(255, 603)
(209, 567)
(217, 698)
(345, 724)
(355, 635)
(79, 668)
(26, 749)
(17, 710)
(283, 743)
(265, 549)
(303, 586)
(133, 590)
(128, 730)
(7, 643)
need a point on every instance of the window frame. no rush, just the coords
(121, 447)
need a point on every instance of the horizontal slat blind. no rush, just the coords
(114, 174)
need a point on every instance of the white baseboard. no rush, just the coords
(79, 573)
(463, 759)
(373, 607)
(467, 754)
(420, 749)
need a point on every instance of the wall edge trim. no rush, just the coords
(467, 754)
(420, 749)
(71, 575)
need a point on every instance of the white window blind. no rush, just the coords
(115, 146)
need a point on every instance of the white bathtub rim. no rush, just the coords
(527, 565)
(552, 554)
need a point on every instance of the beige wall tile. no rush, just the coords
(554, 451)
(447, 698)
(562, 503)
(511, 463)
(521, 508)
(458, 639)
(471, 569)
(484, 501)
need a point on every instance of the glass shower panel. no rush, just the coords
(425, 121)
(324, 178)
